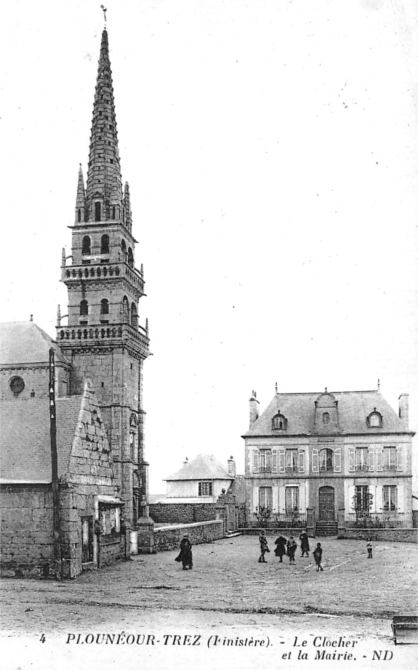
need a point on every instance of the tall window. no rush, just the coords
(130, 258)
(265, 497)
(291, 460)
(265, 460)
(104, 306)
(205, 488)
(292, 499)
(362, 461)
(389, 458)
(104, 247)
(86, 246)
(325, 460)
(97, 211)
(134, 315)
(362, 502)
(132, 445)
(84, 308)
(390, 498)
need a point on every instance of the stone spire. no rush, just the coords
(104, 183)
(80, 203)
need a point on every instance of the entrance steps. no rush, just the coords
(326, 528)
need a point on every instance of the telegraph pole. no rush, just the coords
(54, 467)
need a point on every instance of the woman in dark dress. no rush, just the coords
(291, 549)
(185, 555)
(280, 549)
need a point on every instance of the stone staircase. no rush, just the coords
(326, 528)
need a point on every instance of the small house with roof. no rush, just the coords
(201, 480)
(346, 453)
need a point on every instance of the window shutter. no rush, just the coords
(255, 461)
(275, 502)
(301, 461)
(315, 464)
(379, 498)
(401, 501)
(372, 492)
(351, 494)
(302, 498)
(371, 458)
(337, 460)
(399, 465)
(379, 458)
(282, 499)
(281, 461)
(274, 461)
(255, 498)
(351, 459)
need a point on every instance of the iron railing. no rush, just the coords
(378, 520)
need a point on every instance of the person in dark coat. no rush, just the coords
(186, 555)
(280, 549)
(264, 547)
(291, 549)
(304, 543)
(369, 547)
(318, 557)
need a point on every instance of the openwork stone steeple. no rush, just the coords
(104, 197)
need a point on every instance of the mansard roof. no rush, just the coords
(202, 467)
(23, 342)
(353, 409)
(25, 446)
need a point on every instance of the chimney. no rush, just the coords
(404, 407)
(253, 408)
(232, 467)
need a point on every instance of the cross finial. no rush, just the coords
(104, 13)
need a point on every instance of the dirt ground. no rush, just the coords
(229, 611)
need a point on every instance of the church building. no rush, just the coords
(98, 358)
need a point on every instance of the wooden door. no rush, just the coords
(326, 503)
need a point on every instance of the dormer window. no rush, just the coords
(326, 418)
(375, 419)
(279, 422)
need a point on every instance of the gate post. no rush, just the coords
(310, 521)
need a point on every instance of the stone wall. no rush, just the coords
(169, 538)
(26, 530)
(182, 512)
(380, 534)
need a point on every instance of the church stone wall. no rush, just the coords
(26, 530)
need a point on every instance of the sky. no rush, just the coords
(271, 148)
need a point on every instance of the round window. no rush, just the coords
(17, 385)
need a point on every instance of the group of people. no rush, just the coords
(289, 547)
(283, 547)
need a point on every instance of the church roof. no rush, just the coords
(24, 342)
(353, 409)
(201, 467)
(25, 451)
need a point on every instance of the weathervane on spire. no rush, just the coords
(104, 13)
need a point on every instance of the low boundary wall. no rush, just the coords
(180, 513)
(379, 534)
(167, 538)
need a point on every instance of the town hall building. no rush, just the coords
(346, 454)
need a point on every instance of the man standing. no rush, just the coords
(264, 547)
(318, 557)
(304, 543)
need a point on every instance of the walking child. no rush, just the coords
(291, 549)
(369, 546)
(264, 547)
(318, 557)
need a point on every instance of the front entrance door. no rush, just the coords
(326, 503)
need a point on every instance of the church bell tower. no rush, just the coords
(103, 338)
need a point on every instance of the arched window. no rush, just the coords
(130, 258)
(86, 246)
(375, 419)
(104, 248)
(326, 418)
(79, 215)
(134, 315)
(123, 248)
(279, 422)
(113, 212)
(84, 308)
(104, 306)
(97, 211)
(326, 460)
